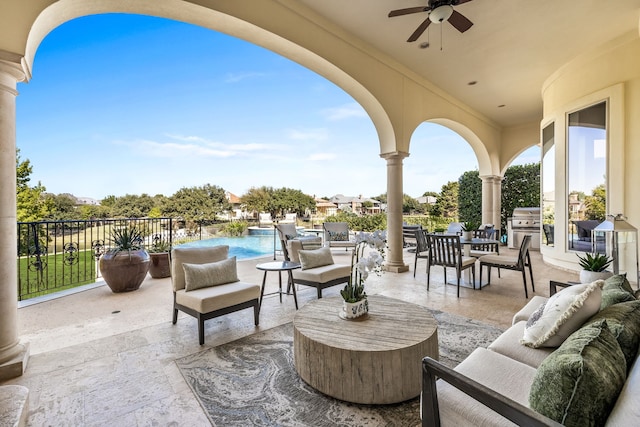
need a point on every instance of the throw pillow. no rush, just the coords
(339, 236)
(562, 314)
(198, 276)
(290, 236)
(623, 320)
(616, 289)
(313, 258)
(578, 384)
(618, 281)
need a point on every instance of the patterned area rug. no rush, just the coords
(252, 381)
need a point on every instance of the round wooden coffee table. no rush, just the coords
(376, 359)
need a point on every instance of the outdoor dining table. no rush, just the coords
(466, 244)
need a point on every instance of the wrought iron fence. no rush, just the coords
(57, 255)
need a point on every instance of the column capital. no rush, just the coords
(12, 71)
(394, 155)
(491, 178)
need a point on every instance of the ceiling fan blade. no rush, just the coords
(408, 11)
(463, 1)
(418, 32)
(460, 22)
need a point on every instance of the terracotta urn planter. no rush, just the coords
(159, 266)
(124, 271)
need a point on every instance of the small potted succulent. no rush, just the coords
(468, 228)
(594, 267)
(126, 264)
(159, 253)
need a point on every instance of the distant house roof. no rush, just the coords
(232, 198)
(86, 201)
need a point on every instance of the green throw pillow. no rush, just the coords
(616, 289)
(339, 236)
(618, 281)
(315, 258)
(198, 276)
(623, 320)
(578, 384)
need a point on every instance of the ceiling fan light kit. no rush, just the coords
(441, 14)
(438, 11)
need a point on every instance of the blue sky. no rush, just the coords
(123, 104)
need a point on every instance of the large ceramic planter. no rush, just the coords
(159, 266)
(124, 271)
(587, 276)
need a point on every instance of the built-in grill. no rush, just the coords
(524, 221)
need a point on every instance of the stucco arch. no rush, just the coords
(484, 162)
(227, 20)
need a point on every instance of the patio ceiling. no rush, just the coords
(512, 48)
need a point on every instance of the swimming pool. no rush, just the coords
(245, 247)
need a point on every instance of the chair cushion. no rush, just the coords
(323, 274)
(499, 259)
(197, 276)
(193, 256)
(468, 260)
(578, 384)
(206, 300)
(313, 258)
(562, 314)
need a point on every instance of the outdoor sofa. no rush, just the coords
(587, 375)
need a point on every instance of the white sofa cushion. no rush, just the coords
(508, 344)
(500, 373)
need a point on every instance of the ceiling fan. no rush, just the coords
(439, 11)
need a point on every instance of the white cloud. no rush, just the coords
(322, 156)
(237, 77)
(344, 112)
(319, 134)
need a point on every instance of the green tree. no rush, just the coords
(409, 204)
(198, 203)
(259, 199)
(132, 206)
(520, 188)
(470, 197)
(596, 204)
(447, 204)
(430, 193)
(61, 207)
(381, 198)
(288, 200)
(30, 201)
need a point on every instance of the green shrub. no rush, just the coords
(235, 228)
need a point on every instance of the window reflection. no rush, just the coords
(548, 185)
(587, 170)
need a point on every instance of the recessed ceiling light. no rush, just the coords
(471, 83)
(501, 105)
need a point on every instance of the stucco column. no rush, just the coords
(497, 202)
(13, 355)
(395, 262)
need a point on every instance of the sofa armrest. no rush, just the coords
(432, 370)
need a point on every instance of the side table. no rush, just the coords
(279, 266)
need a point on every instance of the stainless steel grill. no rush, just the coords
(524, 221)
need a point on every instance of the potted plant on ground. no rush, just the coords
(159, 267)
(355, 302)
(594, 267)
(126, 264)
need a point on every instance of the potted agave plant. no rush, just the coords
(468, 228)
(355, 303)
(159, 253)
(594, 267)
(126, 264)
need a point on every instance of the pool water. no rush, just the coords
(245, 247)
